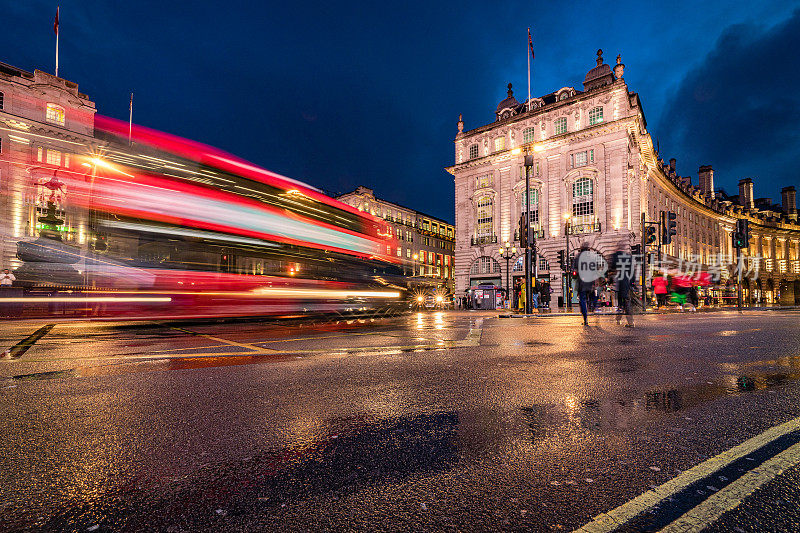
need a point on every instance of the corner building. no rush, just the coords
(425, 244)
(595, 173)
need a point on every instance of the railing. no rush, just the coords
(537, 234)
(578, 229)
(484, 239)
(795, 267)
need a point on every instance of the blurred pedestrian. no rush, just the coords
(7, 279)
(660, 290)
(624, 274)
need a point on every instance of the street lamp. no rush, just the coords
(528, 240)
(414, 271)
(567, 265)
(507, 253)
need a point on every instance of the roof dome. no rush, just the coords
(509, 102)
(599, 75)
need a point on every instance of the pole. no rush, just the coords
(508, 287)
(528, 288)
(56, 48)
(528, 53)
(739, 279)
(568, 267)
(130, 120)
(644, 264)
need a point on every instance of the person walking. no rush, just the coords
(624, 274)
(660, 290)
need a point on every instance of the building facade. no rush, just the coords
(44, 123)
(425, 244)
(595, 174)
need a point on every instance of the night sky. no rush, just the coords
(347, 94)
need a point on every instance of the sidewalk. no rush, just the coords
(560, 311)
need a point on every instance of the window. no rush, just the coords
(53, 157)
(399, 252)
(579, 159)
(595, 115)
(1, 100)
(528, 135)
(499, 144)
(473, 151)
(39, 154)
(484, 265)
(534, 204)
(563, 96)
(543, 264)
(483, 181)
(485, 217)
(583, 200)
(560, 125)
(66, 159)
(55, 114)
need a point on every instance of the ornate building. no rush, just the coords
(44, 123)
(425, 244)
(595, 173)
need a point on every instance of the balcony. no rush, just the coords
(537, 234)
(484, 239)
(580, 229)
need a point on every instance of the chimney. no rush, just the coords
(789, 202)
(746, 193)
(707, 181)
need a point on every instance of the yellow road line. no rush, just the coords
(721, 502)
(224, 341)
(611, 520)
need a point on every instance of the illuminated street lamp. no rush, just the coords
(507, 253)
(414, 267)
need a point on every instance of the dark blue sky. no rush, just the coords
(343, 94)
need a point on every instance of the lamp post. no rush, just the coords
(414, 266)
(528, 288)
(507, 253)
(567, 265)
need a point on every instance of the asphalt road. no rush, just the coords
(454, 420)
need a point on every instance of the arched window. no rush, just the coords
(55, 114)
(485, 219)
(595, 115)
(528, 135)
(583, 201)
(484, 265)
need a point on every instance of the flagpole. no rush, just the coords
(528, 53)
(56, 28)
(130, 120)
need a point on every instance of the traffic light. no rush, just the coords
(561, 261)
(523, 231)
(650, 235)
(741, 237)
(671, 228)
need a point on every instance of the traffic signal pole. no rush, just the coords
(528, 288)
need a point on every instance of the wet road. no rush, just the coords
(457, 421)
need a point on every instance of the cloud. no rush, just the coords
(739, 110)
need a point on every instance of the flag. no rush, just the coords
(530, 44)
(55, 24)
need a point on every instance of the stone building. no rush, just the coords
(425, 244)
(45, 122)
(595, 173)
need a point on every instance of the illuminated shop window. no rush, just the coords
(560, 125)
(55, 114)
(595, 115)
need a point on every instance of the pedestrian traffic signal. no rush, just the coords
(650, 235)
(671, 228)
(561, 260)
(523, 231)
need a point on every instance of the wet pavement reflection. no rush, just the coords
(517, 427)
